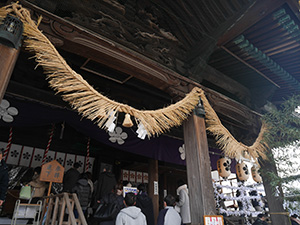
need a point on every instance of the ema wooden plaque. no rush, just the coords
(52, 172)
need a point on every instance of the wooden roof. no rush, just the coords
(243, 53)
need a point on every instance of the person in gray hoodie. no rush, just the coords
(131, 215)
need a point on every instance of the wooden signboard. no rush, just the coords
(213, 220)
(52, 172)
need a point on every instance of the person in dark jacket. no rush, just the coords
(144, 202)
(294, 220)
(71, 177)
(260, 219)
(83, 191)
(104, 185)
(3, 178)
(116, 196)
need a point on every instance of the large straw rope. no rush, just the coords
(98, 108)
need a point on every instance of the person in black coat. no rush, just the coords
(71, 177)
(104, 185)
(261, 220)
(144, 202)
(294, 220)
(3, 178)
(116, 197)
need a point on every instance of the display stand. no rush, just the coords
(27, 211)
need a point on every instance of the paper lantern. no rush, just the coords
(223, 166)
(255, 174)
(242, 171)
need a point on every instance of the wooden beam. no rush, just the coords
(258, 11)
(203, 71)
(198, 169)
(295, 7)
(204, 47)
(8, 58)
(34, 94)
(247, 64)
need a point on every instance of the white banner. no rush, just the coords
(60, 157)
(129, 189)
(32, 157)
(14, 154)
(132, 176)
(37, 158)
(139, 177)
(70, 160)
(145, 178)
(80, 159)
(26, 156)
(3, 145)
(50, 156)
(125, 175)
(92, 160)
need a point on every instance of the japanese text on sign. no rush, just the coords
(52, 172)
(213, 220)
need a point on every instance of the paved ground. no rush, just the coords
(7, 221)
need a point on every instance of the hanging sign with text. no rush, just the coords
(213, 220)
(129, 189)
(52, 172)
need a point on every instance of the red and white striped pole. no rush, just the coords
(48, 145)
(87, 165)
(8, 143)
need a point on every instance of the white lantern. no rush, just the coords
(223, 166)
(255, 174)
(242, 171)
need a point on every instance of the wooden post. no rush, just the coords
(153, 183)
(200, 186)
(8, 58)
(275, 200)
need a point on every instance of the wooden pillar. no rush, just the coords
(8, 58)
(274, 197)
(200, 185)
(153, 186)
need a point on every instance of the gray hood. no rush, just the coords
(132, 211)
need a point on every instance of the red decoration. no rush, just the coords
(48, 145)
(87, 166)
(9, 142)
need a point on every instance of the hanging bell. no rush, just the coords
(199, 109)
(127, 121)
